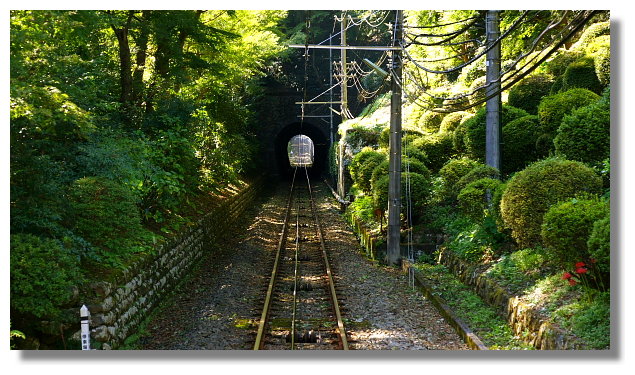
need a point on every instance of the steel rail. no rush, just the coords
(295, 274)
(340, 331)
(274, 272)
(336, 309)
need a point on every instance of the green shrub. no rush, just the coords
(419, 192)
(105, 214)
(600, 50)
(452, 172)
(42, 275)
(359, 136)
(438, 147)
(451, 121)
(362, 208)
(559, 63)
(557, 86)
(566, 228)
(431, 121)
(474, 241)
(585, 134)
(581, 74)
(476, 173)
(473, 198)
(384, 138)
(362, 165)
(527, 93)
(474, 137)
(412, 152)
(520, 269)
(591, 33)
(518, 148)
(599, 244)
(458, 139)
(553, 108)
(382, 169)
(591, 320)
(530, 192)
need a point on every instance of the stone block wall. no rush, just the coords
(118, 307)
(522, 317)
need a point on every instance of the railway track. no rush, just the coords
(301, 310)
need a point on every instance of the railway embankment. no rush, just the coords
(120, 304)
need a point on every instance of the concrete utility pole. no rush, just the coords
(493, 105)
(331, 135)
(393, 252)
(341, 188)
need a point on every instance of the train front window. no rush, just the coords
(300, 151)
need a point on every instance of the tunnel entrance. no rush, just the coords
(320, 148)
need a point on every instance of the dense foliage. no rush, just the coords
(546, 210)
(531, 192)
(584, 135)
(566, 228)
(121, 121)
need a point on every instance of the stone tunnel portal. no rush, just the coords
(320, 144)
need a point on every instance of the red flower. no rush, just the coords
(579, 265)
(566, 276)
(581, 270)
(572, 282)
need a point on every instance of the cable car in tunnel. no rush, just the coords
(318, 152)
(300, 151)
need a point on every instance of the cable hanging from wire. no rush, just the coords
(557, 40)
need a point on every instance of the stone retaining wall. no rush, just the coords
(522, 317)
(117, 308)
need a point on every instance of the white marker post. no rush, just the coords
(84, 315)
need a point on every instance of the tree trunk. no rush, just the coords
(141, 58)
(125, 67)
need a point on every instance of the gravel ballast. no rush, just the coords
(219, 306)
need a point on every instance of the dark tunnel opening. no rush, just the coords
(320, 142)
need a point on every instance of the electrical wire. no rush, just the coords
(578, 22)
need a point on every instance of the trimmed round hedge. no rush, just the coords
(473, 198)
(599, 244)
(438, 147)
(382, 169)
(452, 121)
(476, 173)
(414, 153)
(581, 74)
(362, 166)
(559, 63)
(566, 228)
(518, 148)
(600, 50)
(420, 187)
(527, 93)
(431, 121)
(530, 192)
(452, 172)
(474, 137)
(585, 134)
(553, 108)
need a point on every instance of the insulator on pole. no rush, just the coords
(84, 316)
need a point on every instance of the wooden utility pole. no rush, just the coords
(393, 252)
(341, 188)
(493, 105)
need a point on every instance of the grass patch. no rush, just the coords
(469, 307)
